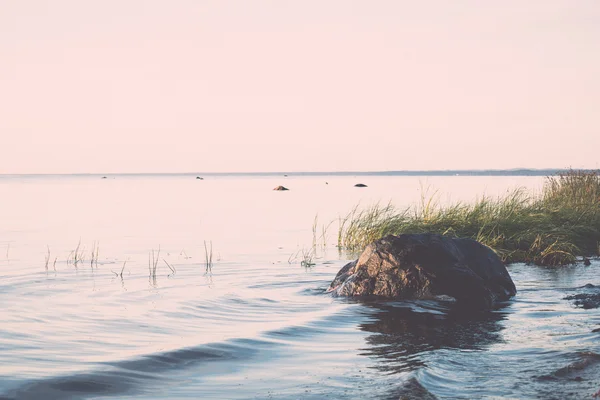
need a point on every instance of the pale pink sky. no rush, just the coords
(258, 85)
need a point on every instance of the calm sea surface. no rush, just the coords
(257, 325)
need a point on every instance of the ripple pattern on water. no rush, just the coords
(258, 326)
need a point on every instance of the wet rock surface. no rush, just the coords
(413, 266)
(589, 299)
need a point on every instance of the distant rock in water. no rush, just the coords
(360, 185)
(281, 188)
(199, 177)
(103, 177)
(424, 266)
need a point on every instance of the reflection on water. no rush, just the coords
(402, 332)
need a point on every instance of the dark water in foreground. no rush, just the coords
(258, 325)
(307, 345)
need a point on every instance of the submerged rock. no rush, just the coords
(577, 380)
(360, 185)
(426, 265)
(588, 300)
(281, 188)
(413, 390)
(584, 360)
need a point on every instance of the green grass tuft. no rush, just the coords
(552, 228)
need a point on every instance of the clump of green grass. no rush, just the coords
(306, 256)
(551, 228)
(171, 267)
(573, 189)
(47, 258)
(77, 255)
(122, 269)
(208, 256)
(322, 239)
(94, 255)
(153, 259)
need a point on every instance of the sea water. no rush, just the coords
(167, 286)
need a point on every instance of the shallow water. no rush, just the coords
(258, 324)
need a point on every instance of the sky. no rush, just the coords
(314, 85)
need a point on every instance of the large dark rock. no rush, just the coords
(427, 265)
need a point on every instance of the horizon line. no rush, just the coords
(508, 171)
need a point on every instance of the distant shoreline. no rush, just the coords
(473, 172)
